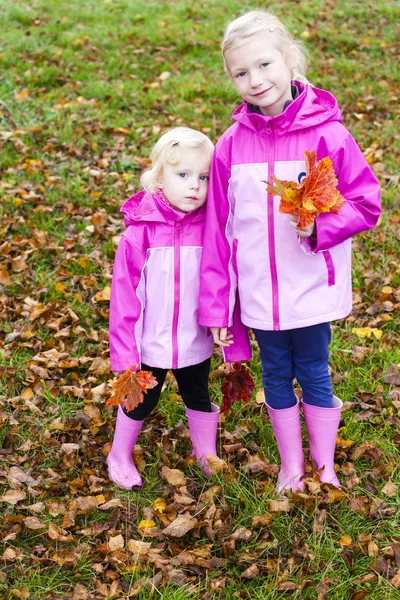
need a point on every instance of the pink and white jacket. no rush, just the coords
(155, 288)
(252, 248)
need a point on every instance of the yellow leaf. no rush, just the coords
(345, 540)
(367, 332)
(103, 295)
(159, 505)
(59, 287)
(146, 524)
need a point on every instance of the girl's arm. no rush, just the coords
(360, 187)
(217, 278)
(127, 303)
(219, 306)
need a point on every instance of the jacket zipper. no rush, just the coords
(177, 278)
(271, 231)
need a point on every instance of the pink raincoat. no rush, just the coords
(252, 248)
(155, 289)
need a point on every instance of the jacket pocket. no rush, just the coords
(330, 267)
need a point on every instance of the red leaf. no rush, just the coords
(129, 388)
(238, 385)
(316, 194)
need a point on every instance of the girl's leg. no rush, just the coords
(202, 415)
(282, 405)
(310, 363)
(321, 408)
(121, 468)
(277, 371)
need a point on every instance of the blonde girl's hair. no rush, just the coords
(169, 150)
(257, 22)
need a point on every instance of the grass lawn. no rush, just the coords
(85, 90)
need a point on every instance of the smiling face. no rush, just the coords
(185, 184)
(260, 73)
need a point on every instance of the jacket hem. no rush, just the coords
(284, 326)
(167, 364)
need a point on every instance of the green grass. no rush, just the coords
(82, 103)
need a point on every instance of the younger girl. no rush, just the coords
(289, 287)
(154, 296)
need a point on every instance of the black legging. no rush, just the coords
(193, 387)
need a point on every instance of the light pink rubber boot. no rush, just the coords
(322, 426)
(121, 468)
(203, 434)
(287, 430)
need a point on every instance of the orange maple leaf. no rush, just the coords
(129, 388)
(316, 194)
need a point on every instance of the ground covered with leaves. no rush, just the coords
(85, 90)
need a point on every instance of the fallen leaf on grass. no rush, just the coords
(392, 375)
(280, 505)
(251, 572)
(173, 476)
(22, 593)
(33, 523)
(181, 525)
(13, 496)
(390, 489)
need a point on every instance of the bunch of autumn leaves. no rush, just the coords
(317, 193)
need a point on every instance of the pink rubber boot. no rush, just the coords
(322, 426)
(203, 434)
(121, 468)
(287, 430)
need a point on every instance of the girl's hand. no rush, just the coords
(294, 219)
(221, 336)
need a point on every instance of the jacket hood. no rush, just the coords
(148, 207)
(312, 107)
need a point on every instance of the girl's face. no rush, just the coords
(185, 184)
(260, 73)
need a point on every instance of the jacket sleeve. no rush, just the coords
(217, 278)
(127, 303)
(240, 349)
(359, 186)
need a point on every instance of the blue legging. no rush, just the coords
(302, 353)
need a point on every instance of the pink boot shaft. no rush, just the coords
(121, 468)
(203, 434)
(287, 430)
(322, 426)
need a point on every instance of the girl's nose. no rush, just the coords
(255, 79)
(195, 184)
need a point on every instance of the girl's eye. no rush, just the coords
(204, 178)
(241, 74)
(183, 175)
(264, 65)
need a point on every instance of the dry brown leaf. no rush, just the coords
(181, 525)
(251, 572)
(173, 476)
(262, 520)
(22, 593)
(13, 496)
(215, 464)
(390, 489)
(34, 523)
(80, 592)
(116, 543)
(283, 505)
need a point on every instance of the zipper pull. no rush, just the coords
(178, 225)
